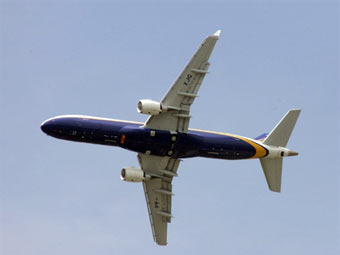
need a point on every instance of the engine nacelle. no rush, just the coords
(147, 106)
(132, 174)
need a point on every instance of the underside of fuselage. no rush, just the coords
(133, 136)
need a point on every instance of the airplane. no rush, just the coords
(165, 139)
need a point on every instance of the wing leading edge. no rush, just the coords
(184, 90)
(158, 192)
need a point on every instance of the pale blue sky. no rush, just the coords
(100, 57)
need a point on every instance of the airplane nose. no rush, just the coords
(46, 126)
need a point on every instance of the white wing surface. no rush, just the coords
(184, 90)
(158, 192)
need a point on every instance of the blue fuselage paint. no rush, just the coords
(133, 136)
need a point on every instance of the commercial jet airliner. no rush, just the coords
(165, 138)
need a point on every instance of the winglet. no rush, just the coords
(217, 33)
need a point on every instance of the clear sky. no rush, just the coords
(100, 57)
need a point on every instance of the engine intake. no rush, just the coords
(132, 174)
(147, 106)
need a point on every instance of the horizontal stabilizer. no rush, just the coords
(279, 136)
(272, 169)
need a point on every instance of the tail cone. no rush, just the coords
(292, 153)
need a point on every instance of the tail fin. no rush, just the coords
(278, 137)
(262, 137)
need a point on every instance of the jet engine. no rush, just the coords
(132, 174)
(147, 106)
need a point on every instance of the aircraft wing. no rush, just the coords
(184, 90)
(158, 192)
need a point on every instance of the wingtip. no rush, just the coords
(217, 33)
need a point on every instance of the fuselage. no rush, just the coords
(133, 136)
